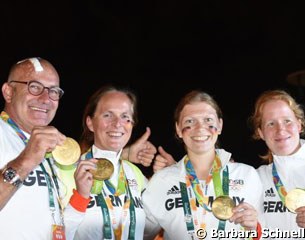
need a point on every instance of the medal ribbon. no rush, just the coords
(278, 184)
(5, 117)
(106, 205)
(192, 181)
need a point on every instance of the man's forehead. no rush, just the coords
(35, 62)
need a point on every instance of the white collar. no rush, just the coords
(110, 155)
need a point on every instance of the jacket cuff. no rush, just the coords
(259, 231)
(78, 202)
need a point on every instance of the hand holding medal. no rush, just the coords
(104, 169)
(67, 154)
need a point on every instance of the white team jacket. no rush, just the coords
(291, 170)
(163, 203)
(89, 225)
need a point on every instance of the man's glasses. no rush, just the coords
(36, 88)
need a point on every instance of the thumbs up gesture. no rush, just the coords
(141, 151)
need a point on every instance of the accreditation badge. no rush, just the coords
(58, 232)
(222, 207)
(295, 199)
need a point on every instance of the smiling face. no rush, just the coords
(199, 127)
(112, 122)
(24, 108)
(280, 128)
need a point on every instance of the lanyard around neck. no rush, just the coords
(193, 182)
(106, 205)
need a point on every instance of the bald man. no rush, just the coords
(28, 197)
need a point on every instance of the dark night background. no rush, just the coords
(161, 49)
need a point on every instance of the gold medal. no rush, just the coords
(66, 154)
(104, 169)
(222, 207)
(295, 199)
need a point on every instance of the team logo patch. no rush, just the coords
(173, 190)
(236, 184)
(270, 193)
